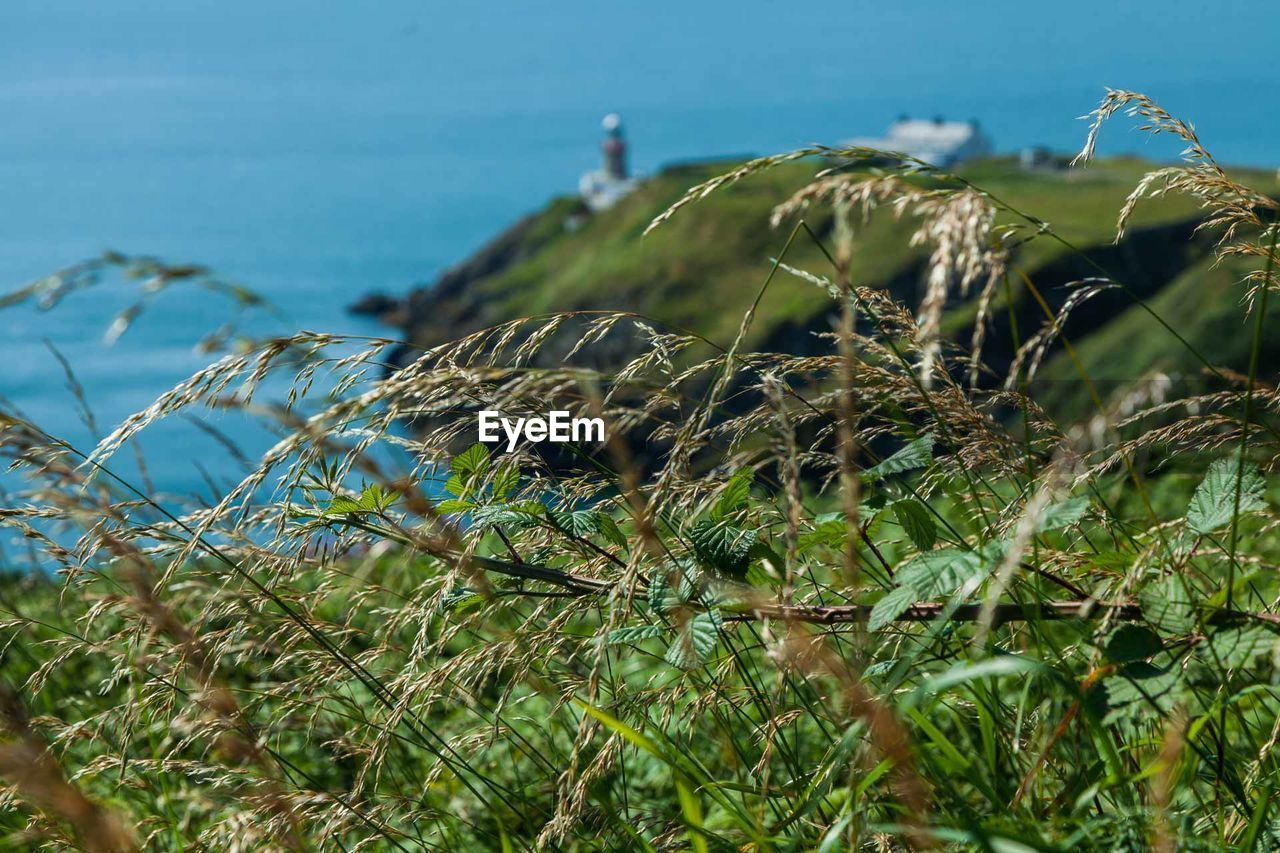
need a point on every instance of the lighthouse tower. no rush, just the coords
(614, 148)
(602, 188)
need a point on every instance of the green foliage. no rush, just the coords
(672, 587)
(461, 599)
(686, 271)
(580, 522)
(1062, 514)
(472, 461)
(913, 455)
(935, 575)
(917, 522)
(723, 547)
(1132, 642)
(1169, 605)
(695, 641)
(827, 529)
(624, 651)
(373, 499)
(735, 495)
(1227, 485)
(633, 634)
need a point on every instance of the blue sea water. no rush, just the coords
(317, 151)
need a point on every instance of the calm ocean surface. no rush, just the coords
(314, 152)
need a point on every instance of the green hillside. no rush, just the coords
(701, 269)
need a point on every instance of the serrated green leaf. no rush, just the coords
(633, 634)
(878, 669)
(517, 514)
(342, 505)
(453, 505)
(893, 604)
(1214, 502)
(828, 530)
(461, 599)
(376, 499)
(525, 513)
(917, 522)
(1063, 514)
(578, 522)
(915, 454)
(458, 486)
(505, 479)
(471, 461)
(1169, 605)
(940, 573)
(696, 640)
(1235, 646)
(933, 575)
(1132, 642)
(611, 532)
(1140, 690)
(371, 498)
(662, 595)
(735, 495)
(689, 586)
(723, 547)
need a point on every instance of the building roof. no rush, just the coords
(931, 140)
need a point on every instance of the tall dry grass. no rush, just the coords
(859, 599)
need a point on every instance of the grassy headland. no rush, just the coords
(699, 272)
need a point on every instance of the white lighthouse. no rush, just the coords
(603, 187)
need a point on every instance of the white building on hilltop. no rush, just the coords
(937, 142)
(601, 189)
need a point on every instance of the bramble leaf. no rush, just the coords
(1132, 642)
(723, 547)
(917, 522)
(915, 454)
(1141, 690)
(505, 479)
(610, 531)
(673, 586)
(894, 603)
(1169, 606)
(663, 598)
(632, 634)
(578, 522)
(1063, 514)
(518, 514)
(376, 499)
(735, 494)
(461, 599)
(471, 461)
(458, 486)
(696, 641)
(342, 505)
(932, 575)
(1234, 646)
(940, 573)
(1214, 502)
(828, 529)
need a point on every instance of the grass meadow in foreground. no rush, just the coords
(870, 598)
